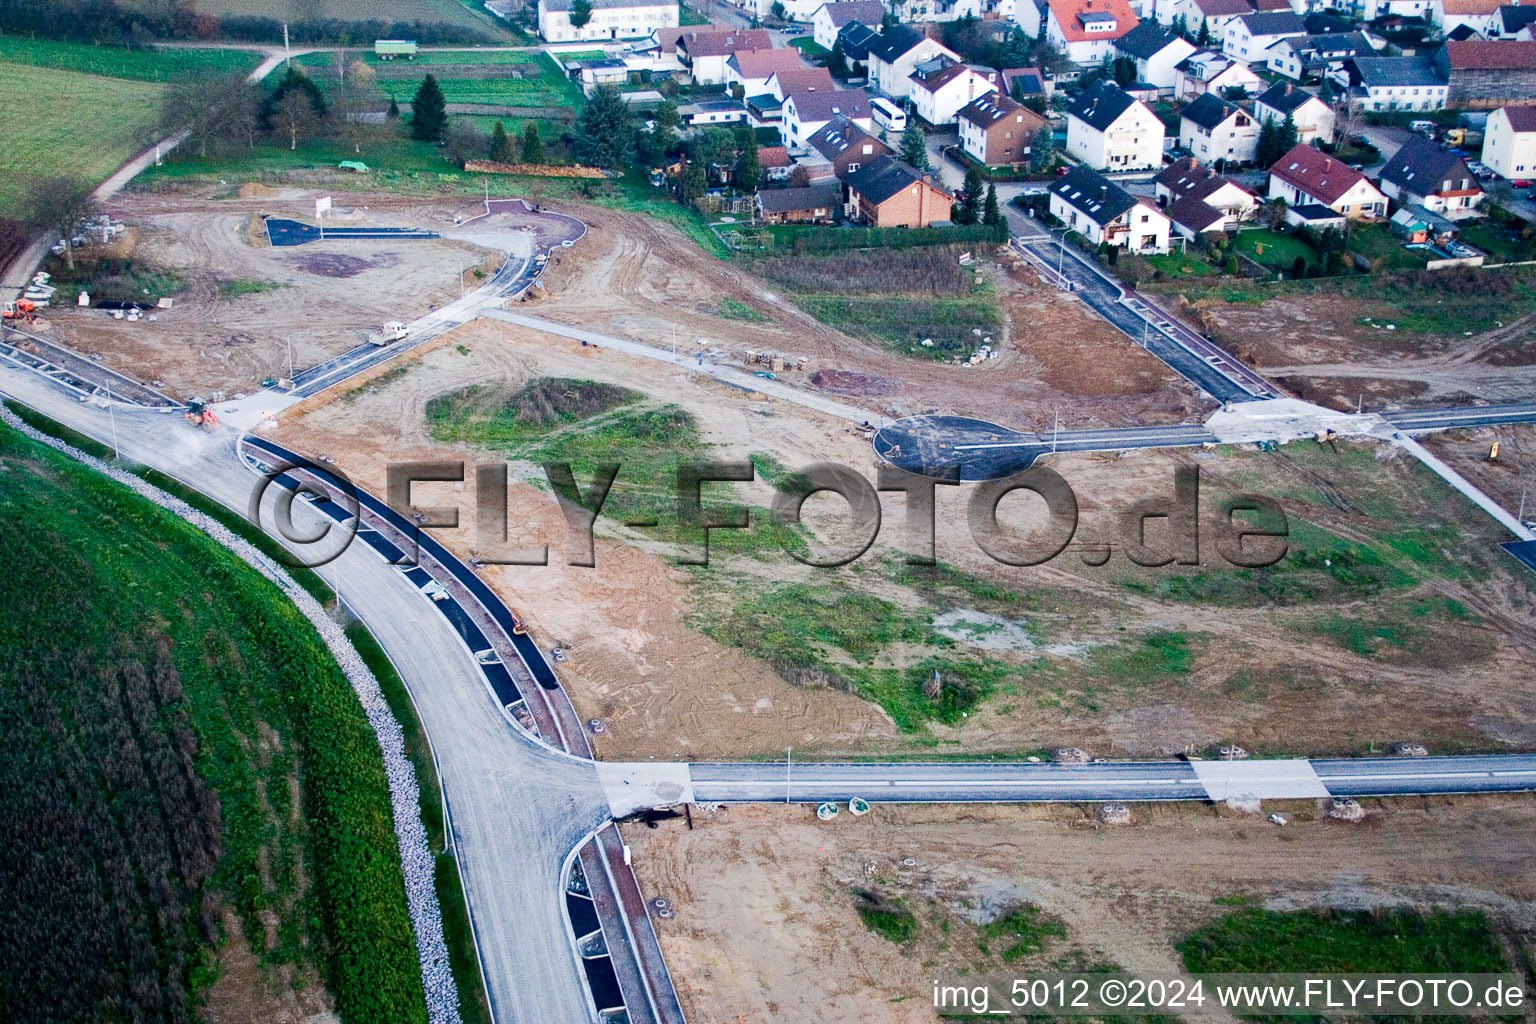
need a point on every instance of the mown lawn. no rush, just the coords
(148, 65)
(64, 122)
(1273, 248)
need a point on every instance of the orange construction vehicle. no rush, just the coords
(199, 415)
(18, 310)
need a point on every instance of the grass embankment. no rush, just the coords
(180, 741)
(451, 11)
(146, 65)
(1391, 941)
(64, 122)
(896, 297)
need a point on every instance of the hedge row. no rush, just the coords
(897, 238)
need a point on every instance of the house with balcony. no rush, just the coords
(1307, 177)
(997, 132)
(1156, 52)
(1104, 213)
(1422, 173)
(1312, 118)
(940, 87)
(1109, 130)
(1214, 130)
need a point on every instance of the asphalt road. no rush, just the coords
(927, 445)
(1416, 420)
(1193, 357)
(1110, 781)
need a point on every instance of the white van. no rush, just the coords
(888, 115)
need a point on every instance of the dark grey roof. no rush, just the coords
(1144, 41)
(1320, 23)
(1209, 110)
(891, 45)
(1273, 23)
(1463, 32)
(856, 37)
(811, 197)
(1285, 97)
(1421, 167)
(1092, 194)
(1101, 105)
(844, 11)
(565, 5)
(822, 105)
(834, 138)
(1514, 17)
(1195, 214)
(882, 178)
(1392, 71)
(1316, 211)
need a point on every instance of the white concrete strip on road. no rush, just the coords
(1286, 419)
(1465, 486)
(634, 786)
(1265, 780)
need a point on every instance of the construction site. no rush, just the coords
(1396, 618)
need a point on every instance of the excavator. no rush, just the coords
(199, 415)
(18, 310)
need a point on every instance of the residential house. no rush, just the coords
(661, 48)
(1422, 173)
(1483, 74)
(1513, 21)
(1211, 72)
(1086, 30)
(894, 55)
(801, 79)
(1314, 119)
(1247, 38)
(997, 131)
(1370, 10)
(937, 10)
(888, 193)
(813, 204)
(1156, 53)
(830, 18)
(1186, 182)
(1477, 15)
(1108, 130)
(1305, 58)
(1309, 177)
(940, 87)
(840, 148)
(806, 113)
(1213, 129)
(856, 38)
(703, 54)
(1104, 213)
(1208, 17)
(1509, 142)
(1396, 83)
(751, 69)
(610, 19)
(703, 113)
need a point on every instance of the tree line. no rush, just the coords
(140, 22)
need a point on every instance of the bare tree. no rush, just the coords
(211, 109)
(295, 115)
(61, 204)
(354, 95)
(1349, 122)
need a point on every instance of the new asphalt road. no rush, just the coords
(1413, 421)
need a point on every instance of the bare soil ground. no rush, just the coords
(1317, 346)
(766, 927)
(332, 292)
(638, 279)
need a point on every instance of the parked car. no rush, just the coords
(1032, 190)
(1521, 183)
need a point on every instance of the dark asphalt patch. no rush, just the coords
(931, 445)
(284, 232)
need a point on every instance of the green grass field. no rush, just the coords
(58, 122)
(450, 11)
(150, 65)
(181, 740)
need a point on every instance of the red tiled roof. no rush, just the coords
(1316, 173)
(763, 63)
(1521, 119)
(1490, 55)
(668, 37)
(804, 79)
(773, 156)
(1066, 12)
(718, 43)
(1471, 6)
